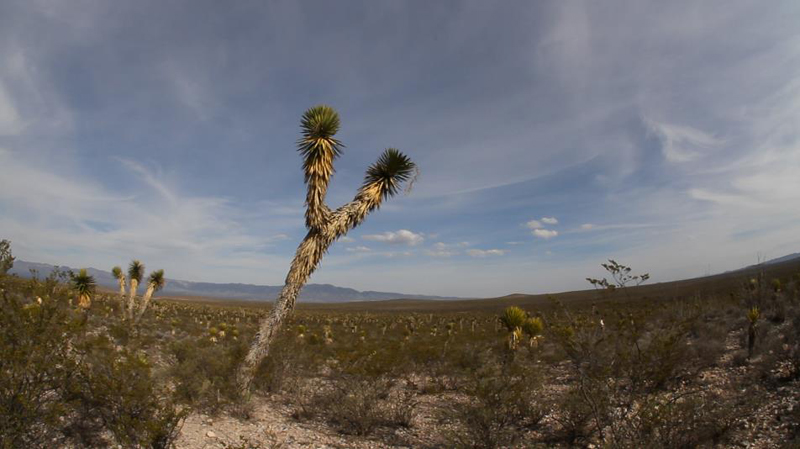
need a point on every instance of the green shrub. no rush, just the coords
(204, 373)
(65, 385)
(501, 405)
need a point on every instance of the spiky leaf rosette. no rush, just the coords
(753, 314)
(533, 326)
(136, 271)
(389, 172)
(84, 283)
(513, 318)
(318, 125)
(116, 272)
(157, 280)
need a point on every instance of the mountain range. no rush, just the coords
(321, 293)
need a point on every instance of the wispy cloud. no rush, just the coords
(485, 252)
(401, 237)
(441, 249)
(358, 249)
(682, 143)
(87, 219)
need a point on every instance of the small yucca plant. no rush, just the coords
(85, 285)
(513, 318)
(533, 327)
(776, 285)
(752, 316)
(135, 275)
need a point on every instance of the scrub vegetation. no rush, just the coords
(616, 370)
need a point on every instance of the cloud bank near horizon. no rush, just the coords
(551, 136)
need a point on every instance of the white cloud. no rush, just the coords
(549, 220)
(545, 233)
(401, 237)
(534, 224)
(441, 249)
(587, 226)
(359, 249)
(346, 239)
(485, 253)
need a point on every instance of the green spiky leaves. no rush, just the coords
(513, 318)
(391, 170)
(84, 283)
(136, 271)
(533, 326)
(320, 122)
(116, 272)
(157, 279)
(318, 147)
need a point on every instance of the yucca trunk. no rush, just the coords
(121, 281)
(306, 260)
(151, 288)
(132, 297)
(84, 301)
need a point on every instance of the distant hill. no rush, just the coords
(778, 260)
(322, 293)
(783, 259)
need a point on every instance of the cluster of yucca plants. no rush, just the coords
(519, 325)
(136, 270)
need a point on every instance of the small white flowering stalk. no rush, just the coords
(328, 334)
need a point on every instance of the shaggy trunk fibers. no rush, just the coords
(145, 301)
(132, 297)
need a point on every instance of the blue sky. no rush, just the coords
(550, 137)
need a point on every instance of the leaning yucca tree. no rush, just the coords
(135, 274)
(319, 148)
(85, 285)
(155, 283)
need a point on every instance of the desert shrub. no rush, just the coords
(574, 415)
(778, 353)
(357, 405)
(204, 373)
(6, 258)
(352, 404)
(501, 405)
(35, 362)
(63, 384)
(683, 420)
(275, 370)
(114, 390)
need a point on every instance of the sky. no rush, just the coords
(550, 137)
